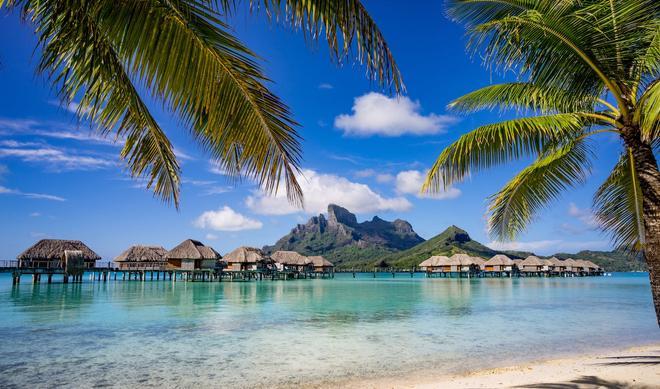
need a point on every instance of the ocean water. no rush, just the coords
(286, 333)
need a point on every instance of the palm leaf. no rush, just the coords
(498, 143)
(618, 205)
(349, 31)
(523, 96)
(82, 62)
(216, 88)
(648, 112)
(558, 168)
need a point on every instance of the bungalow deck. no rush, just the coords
(153, 274)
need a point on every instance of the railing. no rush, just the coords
(8, 263)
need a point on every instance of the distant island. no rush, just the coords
(380, 243)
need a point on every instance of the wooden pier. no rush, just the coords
(104, 274)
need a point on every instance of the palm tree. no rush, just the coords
(585, 67)
(182, 53)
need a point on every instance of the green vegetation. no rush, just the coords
(611, 261)
(586, 68)
(184, 55)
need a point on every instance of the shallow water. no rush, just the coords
(272, 333)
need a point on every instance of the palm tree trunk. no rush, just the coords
(649, 181)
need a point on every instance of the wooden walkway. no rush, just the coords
(104, 274)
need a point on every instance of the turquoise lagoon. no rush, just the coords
(269, 333)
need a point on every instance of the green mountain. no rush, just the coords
(344, 241)
(451, 241)
(380, 243)
(610, 260)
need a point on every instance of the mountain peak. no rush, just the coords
(340, 215)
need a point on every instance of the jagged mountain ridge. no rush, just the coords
(340, 236)
(377, 242)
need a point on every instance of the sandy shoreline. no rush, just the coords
(637, 367)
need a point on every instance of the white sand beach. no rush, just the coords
(636, 368)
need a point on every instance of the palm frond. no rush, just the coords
(648, 112)
(498, 143)
(183, 54)
(523, 96)
(572, 45)
(82, 62)
(558, 168)
(618, 205)
(349, 31)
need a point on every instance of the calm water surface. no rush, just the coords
(285, 333)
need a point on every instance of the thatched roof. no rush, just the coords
(427, 262)
(192, 249)
(581, 263)
(319, 261)
(557, 262)
(499, 260)
(53, 249)
(463, 259)
(290, 258)
(517, 262)
(532, 261)
(441, 260)
(142, 254)
(478, 261)
(547, 262)
(592, 265)
(570, 262)
(246, 255)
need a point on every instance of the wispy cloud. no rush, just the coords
(377, 114)
(35, 214)
(551, 246)
(56, 130)
(55, 159)
(325, 85)
(583, 215)
(411, 181)
(37, 196)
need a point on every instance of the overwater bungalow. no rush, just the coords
(558, 266)
(445, 264)
(499, 263)
(50, 254)
(593, 268)
(191, 255)
(142, 258)
(517, 264)
(322, 265)
(531, 264)
(480, 262)
(291, 260)
(571, 266)
(247, 258)
(466, 263)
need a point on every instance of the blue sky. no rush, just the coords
(362, 149)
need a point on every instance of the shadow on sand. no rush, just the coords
(632, 360)
(586, 382)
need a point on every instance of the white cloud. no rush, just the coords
(377, 114)
(364, 173)
(547, 247)
(325, 85)
(37, 196)
(411, 181)
(4, 170)
(57, 130)
(384, 178)
(322, 189)
(226, 219)
(35, 214)
(210, 236)
(583, 215)
(55, 158)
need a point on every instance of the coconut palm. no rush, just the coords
(112, 54)
(585, 67)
